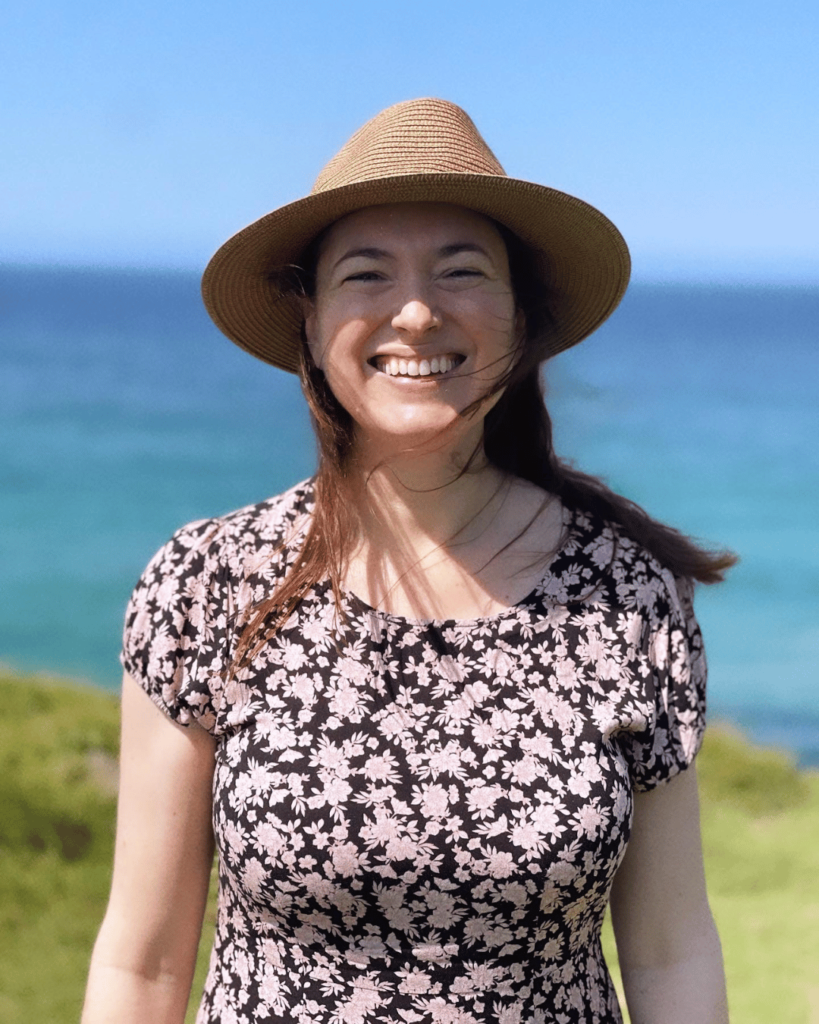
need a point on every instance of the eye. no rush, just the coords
(463, 274)
(365, 275)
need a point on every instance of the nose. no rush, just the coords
(416, 317)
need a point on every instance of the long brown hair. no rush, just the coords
(517, 440)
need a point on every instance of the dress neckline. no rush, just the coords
(361, 607)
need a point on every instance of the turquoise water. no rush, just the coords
(124, 413)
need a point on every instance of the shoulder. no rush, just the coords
(274, 524)
(179, 624)
(214, 556)
(641, 615)
(615, 567)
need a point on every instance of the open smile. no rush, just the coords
(394, 366)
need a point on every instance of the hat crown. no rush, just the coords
(427, 136)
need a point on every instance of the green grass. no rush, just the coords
(56, 841)
(760, 825)
(57, 748)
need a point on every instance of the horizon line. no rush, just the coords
(657, 271)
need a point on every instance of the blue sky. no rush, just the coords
(145, 134)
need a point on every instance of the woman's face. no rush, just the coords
(413, 318)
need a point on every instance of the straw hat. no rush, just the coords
(425, 150)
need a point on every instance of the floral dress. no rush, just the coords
(419, 821)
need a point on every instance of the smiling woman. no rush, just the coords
(440, 704)
(398, 289)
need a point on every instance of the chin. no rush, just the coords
(421, 433)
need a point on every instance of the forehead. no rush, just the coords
(413, 225)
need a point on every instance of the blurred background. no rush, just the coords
(138, 137)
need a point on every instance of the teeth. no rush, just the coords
(395, 367)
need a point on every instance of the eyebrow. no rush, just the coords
(458, 247)
(367, 251)
(370, 252)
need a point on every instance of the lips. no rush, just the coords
(397, 366)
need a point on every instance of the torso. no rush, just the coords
(419, 821)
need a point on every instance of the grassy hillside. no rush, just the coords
(58, 745)
(57, 774)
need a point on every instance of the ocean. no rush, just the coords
(124, 413)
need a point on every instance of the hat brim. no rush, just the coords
(580, 255)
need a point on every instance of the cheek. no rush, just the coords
(311, 335)
(494, 318)
(339, 352)
(501, 343)
(338, 357)
(323, 343)
(335, 335)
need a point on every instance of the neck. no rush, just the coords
(440, 537)
(427, 498)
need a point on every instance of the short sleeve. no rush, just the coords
(665, 738)
(175, 627)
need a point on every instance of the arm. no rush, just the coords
(144, 958)
(669, 950)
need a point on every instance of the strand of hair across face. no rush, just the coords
(517, 440)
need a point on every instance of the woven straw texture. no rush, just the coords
(419, 151)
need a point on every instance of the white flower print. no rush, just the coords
(414, 982)
(359, 1005)
(381, 768)
(253, 875)
(434, 800)
(485, 734)
(447, 761)
(450, 669)
(546, 820)
(589, 819)
(497, 662)
(504, 721)
(303, 688)
(346, 858)
(523, 771)
(482, 799)
(278, 736)
(419, 822)
(501, 864)
(346, 702)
